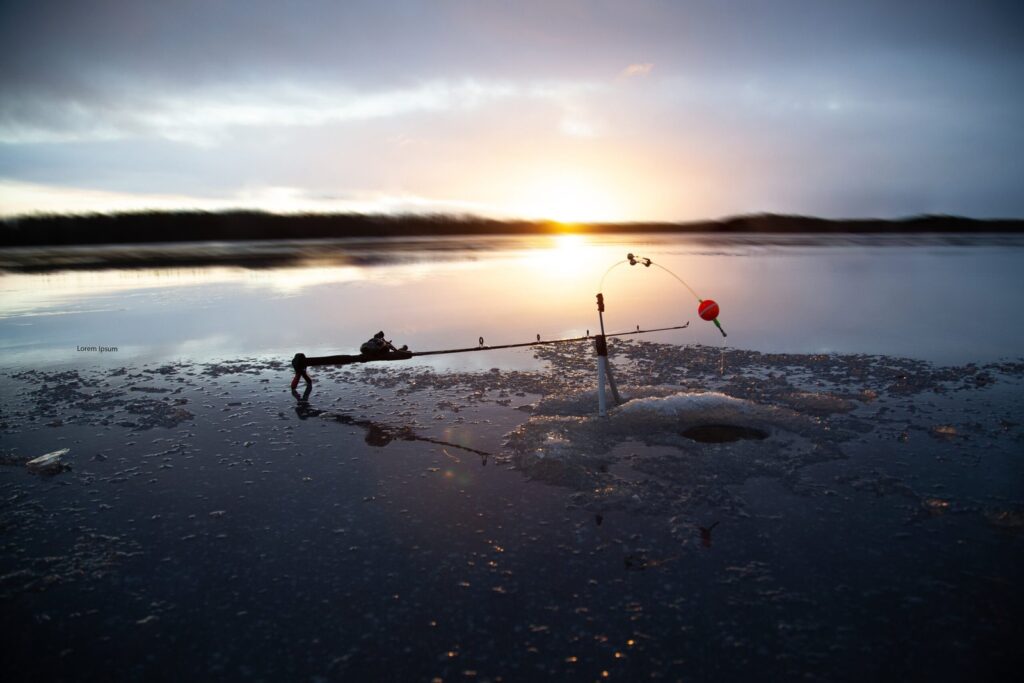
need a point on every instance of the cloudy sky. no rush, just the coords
(566, 109)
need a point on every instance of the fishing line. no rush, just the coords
(721, 360)
(681, 281)
(707, 309)
(634, 260)
(600, 286)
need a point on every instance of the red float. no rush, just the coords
(708, 309)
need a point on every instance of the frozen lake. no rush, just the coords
(837, 494)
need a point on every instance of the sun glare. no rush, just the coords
(568, 199)
(569, 243)
(568, 258)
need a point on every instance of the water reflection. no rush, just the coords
(927, 299)
(377, 435)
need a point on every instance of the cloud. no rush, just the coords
(634, 70)
(200, 117)
(578, 128)
(196, 100)
(203, 117)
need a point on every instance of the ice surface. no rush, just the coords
(812, 409)
(426, 501)
(670, 472)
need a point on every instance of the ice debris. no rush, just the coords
(649, 454)
(50, 463)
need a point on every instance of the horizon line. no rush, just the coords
(468, 216)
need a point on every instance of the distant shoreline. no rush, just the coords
(233, 226)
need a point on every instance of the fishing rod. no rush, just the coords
(540, 342)
(380, 349)
(300, 362)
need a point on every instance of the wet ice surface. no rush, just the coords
(404, 523)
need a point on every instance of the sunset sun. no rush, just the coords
(568, 199)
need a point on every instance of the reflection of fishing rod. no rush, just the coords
(378, 435)
(707, 309)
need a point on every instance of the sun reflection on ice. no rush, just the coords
(570, 257)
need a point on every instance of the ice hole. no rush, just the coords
(719, 433)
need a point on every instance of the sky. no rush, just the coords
(569, 110)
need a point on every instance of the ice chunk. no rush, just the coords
(704, 406)
(681, 410)
(49, 463)
(666, 451)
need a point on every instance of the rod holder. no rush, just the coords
(601, 348)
